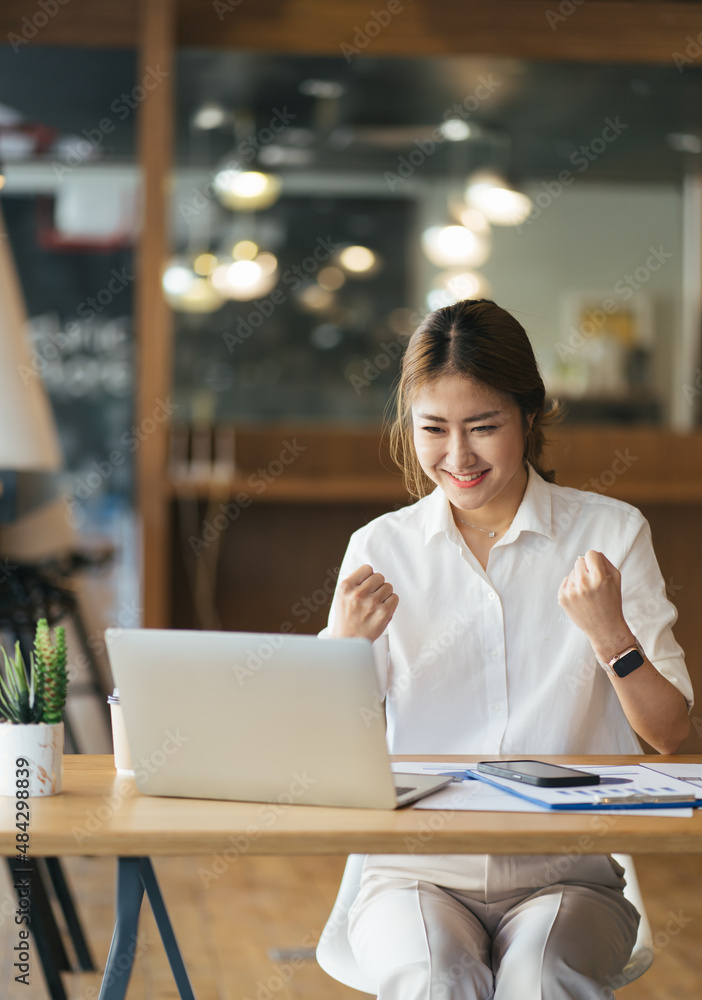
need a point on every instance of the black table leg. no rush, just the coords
(130, 891)
(63, 894)
(165, 929)
(134, 875)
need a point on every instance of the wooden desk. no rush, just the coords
(100, 813)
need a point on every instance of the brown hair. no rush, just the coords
(477, 339)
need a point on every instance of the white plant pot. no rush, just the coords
(41, 745)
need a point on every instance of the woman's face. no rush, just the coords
(469, 440)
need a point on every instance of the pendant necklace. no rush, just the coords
(490, 534)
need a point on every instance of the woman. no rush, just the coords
(508, 604)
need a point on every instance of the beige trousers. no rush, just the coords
(423, 942)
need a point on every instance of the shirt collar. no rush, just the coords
(534, 512)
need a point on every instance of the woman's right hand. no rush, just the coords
(365, 603)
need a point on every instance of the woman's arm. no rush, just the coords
(591, 596)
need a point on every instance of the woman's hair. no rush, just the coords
(479, 340)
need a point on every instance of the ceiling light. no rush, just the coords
(331, 278)
(312, 298)
(244, 250)
(326, 89)
(358, 260)
(473, 219)
(185, 291)
(448, 246)
(684, 142)
(268, 262)
(244, 280)
(177, 279)
(246, 189)
(499, 202)
(200, 297)
(456, 285)
(455, 129)
(209, 116)
(204, 264)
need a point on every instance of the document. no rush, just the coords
(687, 772)
(617, 793)
(620, 787)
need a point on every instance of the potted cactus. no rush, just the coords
(31, 708)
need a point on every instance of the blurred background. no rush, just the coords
(317, 207)
(221, 223)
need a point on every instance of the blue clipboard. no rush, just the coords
(672, 793)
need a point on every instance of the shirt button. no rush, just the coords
(497, 709)
(495, 652)
(492, 595)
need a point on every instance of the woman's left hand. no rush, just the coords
(591, 596)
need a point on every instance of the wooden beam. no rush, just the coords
(596, 31)
(89, 23)
(526, 29)
(154, 322)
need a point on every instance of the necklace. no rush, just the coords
(486, 531)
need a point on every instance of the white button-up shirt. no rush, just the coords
(484, 660)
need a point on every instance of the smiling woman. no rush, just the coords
(546, 662)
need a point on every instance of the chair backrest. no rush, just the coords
(334, 951)
(335, 956)
(641, 957)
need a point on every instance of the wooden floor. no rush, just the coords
(240, 933)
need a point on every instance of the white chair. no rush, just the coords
(336, 958)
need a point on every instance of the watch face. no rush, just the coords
(627, 663)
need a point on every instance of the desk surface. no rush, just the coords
(100, 813)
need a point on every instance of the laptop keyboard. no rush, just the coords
(403, 789)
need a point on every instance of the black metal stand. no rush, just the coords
(134, 877)
(43, 925)
(70, 915)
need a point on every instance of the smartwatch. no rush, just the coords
(627, 661)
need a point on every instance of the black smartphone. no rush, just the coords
(537, 772)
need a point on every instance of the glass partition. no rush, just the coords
(322, 206)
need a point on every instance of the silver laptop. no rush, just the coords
(257, 717)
